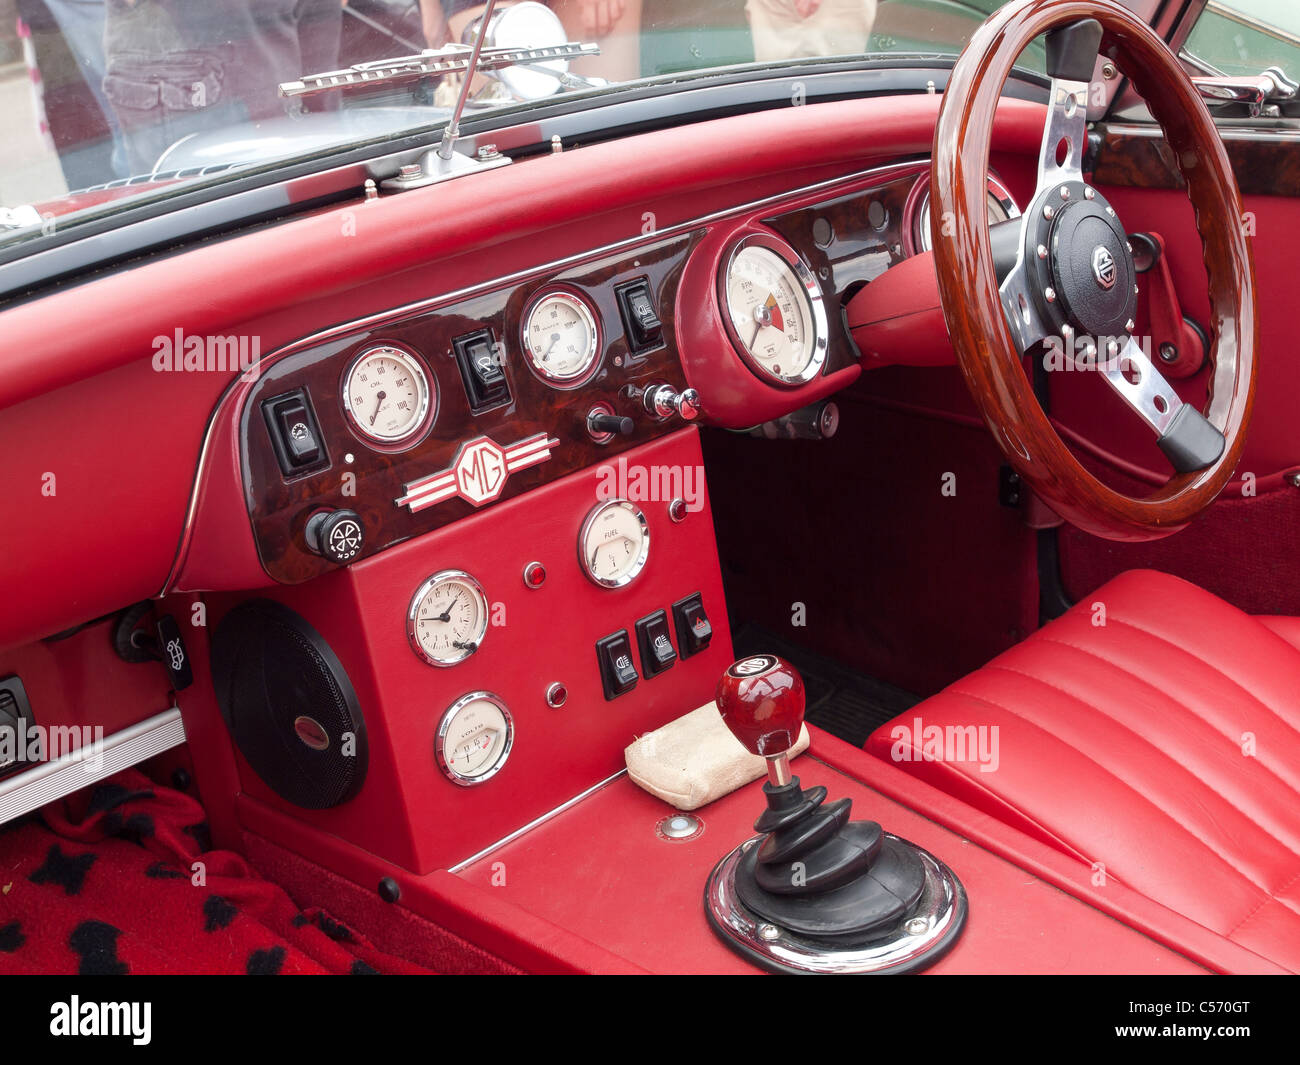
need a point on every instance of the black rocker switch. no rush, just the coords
(617, 672)
(653, 642)
(480, 370)
(692, 624)
(641, 320)
(294, 433)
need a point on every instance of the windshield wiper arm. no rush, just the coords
(451, 59)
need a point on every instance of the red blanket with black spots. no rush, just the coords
(120, 878)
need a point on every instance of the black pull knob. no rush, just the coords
(600, 423)
(337, 535)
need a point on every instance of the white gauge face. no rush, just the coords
(561, 338)
(781, 326)
(474, 738)
(998, 204)
(448, 618)
(386, 395)
(614, 543)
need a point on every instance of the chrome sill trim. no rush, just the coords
(33, 788)
(238, 385)
(460, 866)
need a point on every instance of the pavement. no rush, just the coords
(29, 167)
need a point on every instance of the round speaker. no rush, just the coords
(289, 705)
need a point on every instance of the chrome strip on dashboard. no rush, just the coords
(245, 381)
(47, 781)
(460, 866)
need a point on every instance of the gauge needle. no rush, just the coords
(379, 397)
(555, 339)
(446, 614)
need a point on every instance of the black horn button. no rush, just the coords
(1092, 269)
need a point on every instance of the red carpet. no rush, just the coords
(119, 879)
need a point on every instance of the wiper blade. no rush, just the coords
(451, 59)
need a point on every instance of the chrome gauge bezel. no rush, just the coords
(426, 387)
(444, 724)
(637, 566)
(815, 306)
(919, 211)
(591, 357)
(446, 576)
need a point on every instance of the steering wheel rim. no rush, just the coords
(980, 321)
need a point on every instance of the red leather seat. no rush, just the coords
(1153, 730)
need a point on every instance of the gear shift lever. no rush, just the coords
(817, 892)
(761, 700)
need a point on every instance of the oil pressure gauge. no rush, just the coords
(474, 738)
(447, 618)
(614, 543)
(387, 398)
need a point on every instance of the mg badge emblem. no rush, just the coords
(481, 471)
(1103, 267)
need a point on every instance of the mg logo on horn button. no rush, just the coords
(1103, 267)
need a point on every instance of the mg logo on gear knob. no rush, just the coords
(1103, 267)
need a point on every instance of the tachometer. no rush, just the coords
(448, 618)
(775, 311)
(474, 738)
(561, 338)
(387, 396)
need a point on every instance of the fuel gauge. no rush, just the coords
(614, 543)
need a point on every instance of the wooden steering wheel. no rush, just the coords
(1069, 279)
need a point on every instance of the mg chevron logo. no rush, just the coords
(479, 473)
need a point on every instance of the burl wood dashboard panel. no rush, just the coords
(279, 506)
(846, 238)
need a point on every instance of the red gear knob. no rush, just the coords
(761, 700)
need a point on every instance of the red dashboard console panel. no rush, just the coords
(408, 811)
(1158, 747)
(897, 317)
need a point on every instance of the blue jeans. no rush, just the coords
(178, 67)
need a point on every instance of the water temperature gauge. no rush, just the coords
(474, 738)
(614, 543)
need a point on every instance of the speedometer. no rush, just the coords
(999, 207)
(775, 312)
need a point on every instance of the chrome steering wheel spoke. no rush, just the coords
(1065, 134)
(1027, 326)
(1135, 379)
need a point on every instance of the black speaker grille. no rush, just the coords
(289, 705)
